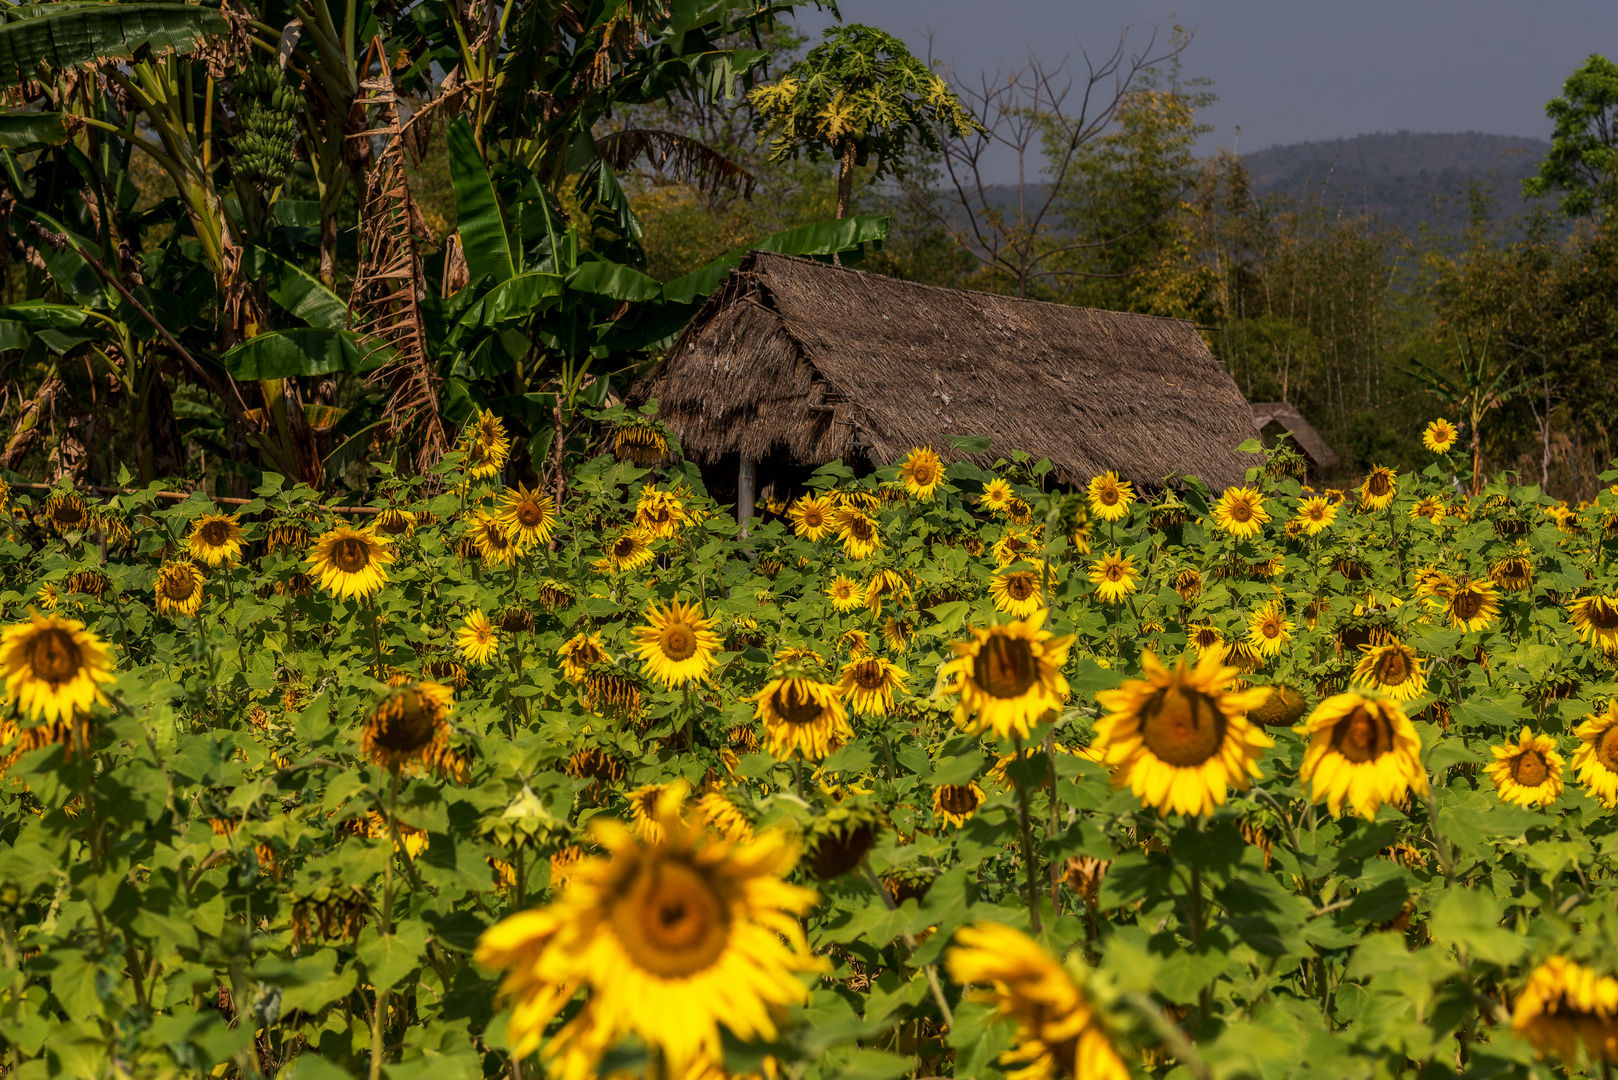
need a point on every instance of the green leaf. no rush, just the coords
(30, 130)
(1469, 920)
(311, 1066)
(485, 240)
(822, 238)
(389, 959)
(79, 35)
(281, 354)
(521, 296)
(615, 282)
(297, 290)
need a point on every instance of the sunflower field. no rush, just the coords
(930, 772)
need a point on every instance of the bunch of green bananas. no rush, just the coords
(267, 113)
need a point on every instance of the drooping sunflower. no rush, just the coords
(286, 531)
(811, 517)
(65, 512)
(1514, 573)
(725, 817)
(179, 587)
(659, 515)
(409, 729)
(1015, 545)
(1205, 638)
(1596, 620)
(1596, 760)
(53, 667)
(528, 516)
(1058, 1033)
(478, 639)
(1316, 515)
(351, 563)
(1018, 593)
(1440, 436)
(868, 684)
(1565, 1003)
(953, 804)
(1472, 605)
(495, 545)
(1188, 583)
(1377, 489)
(1240, 512)
(626, 552)
(1362, 751)
(886, 584)
(486, 446)
(639, 441)
(801, 716)
(922, 472)
(1269, 629)
(216, 539)
(845, 593)
(1109, 496)
(668, 940)
(857, 643)
(995, 494)
(1007, 676)
(1181, 739)
(678, 643)
(392, 521)
(897, 632)
(859, 533)
(1391, 668)
(580, 653)
(1113, 576)
(1527, 772)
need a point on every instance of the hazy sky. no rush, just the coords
(1293, 70)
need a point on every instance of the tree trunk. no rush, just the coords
(845, 178)
(27, 428)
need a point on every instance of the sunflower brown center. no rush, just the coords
(405, 722)
(671, 922)
(1207, 637)
(924, 473)
(870, 675)
(1021, 586)
(69, 514)
(215, 533)
(1317, 514)
(1466, 604)
(1182, 727)
(957, 798)
(1379, 484)
(54, 656)
(794, 705)
(1607, 748)
(1530, 769)
(1108, 496)
(1115, 571)
(1270, 629)
(351, 554)
(860, 529)
(177, 585)
(624, 548)
(1362, 736)
(1240, 512)
(1602, 615)
(812, 517)
(1006, 667)
(1392, 668)
(678, 641)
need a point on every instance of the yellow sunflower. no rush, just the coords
(1565, 1003)
(954, 803)
(1472, 605)
(1017, 511)
(1514, 573)
(1430, 507)
(178, 587)
(856, 642)
(845, 593)
(216, 539)
(1596, 760)
(859, 533)
(1529, 771)
(351, 563)
(409, 728)
(811, 516)
(667, 939)
(1113, 576)
(1240, 512)
(1015, 545)
(528, 517)
(1110, 497)
(1377, 490)
(1268, 629)
(580, 653)
(1008, 676)
(1362, 751)
(678, 643)
(659, 515)
(725, 818)
(1391, 668)
(1018, 593)
(495, 545)
(1180, 739)
(1058, 1032)
(1205, 638)
(897, 632)
(486, 446)
(53, 667)
(477, 639)
(391, 521)
(922, 472)
(1188, 583)
(868, 684)
(1316, 515)
(626, 552)
(1439, 436)
(801, 716)
(1596, 620)
(996, 493)
(886, 584)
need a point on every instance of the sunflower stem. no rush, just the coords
(380, 1009)
(376, 636)
(1024, 816)
(929, 970)
(1393, 538)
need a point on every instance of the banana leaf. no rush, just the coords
(821, 238)
(30, 130)
(521, 296)
(282, 354)
(613, 281)
(485, 241)
(84, 35)
(297, 290)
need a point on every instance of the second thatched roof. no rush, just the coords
(822, 362)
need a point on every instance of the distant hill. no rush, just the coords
(1401, 177)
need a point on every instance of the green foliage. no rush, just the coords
(1583, 162)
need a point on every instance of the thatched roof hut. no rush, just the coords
(796, 363)
(1273, 418)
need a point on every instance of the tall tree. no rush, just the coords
(1583, 162)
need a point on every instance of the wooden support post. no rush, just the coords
(746, 493)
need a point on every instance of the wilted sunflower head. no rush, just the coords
(955, 803)
(640, 441)
(801, 715)
(516, 619)
(409, 728)
(89, 583)
(659, 514)
(1565, 1003)
(1513, 573)
(392, 521)
(1188, 583)
(179, 587)
(287, 531)
(1377, 489)
(837, 840)
(445, 670)
(65, 512)
(486, 446)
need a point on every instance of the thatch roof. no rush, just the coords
(824, 362)
(1307, 439)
